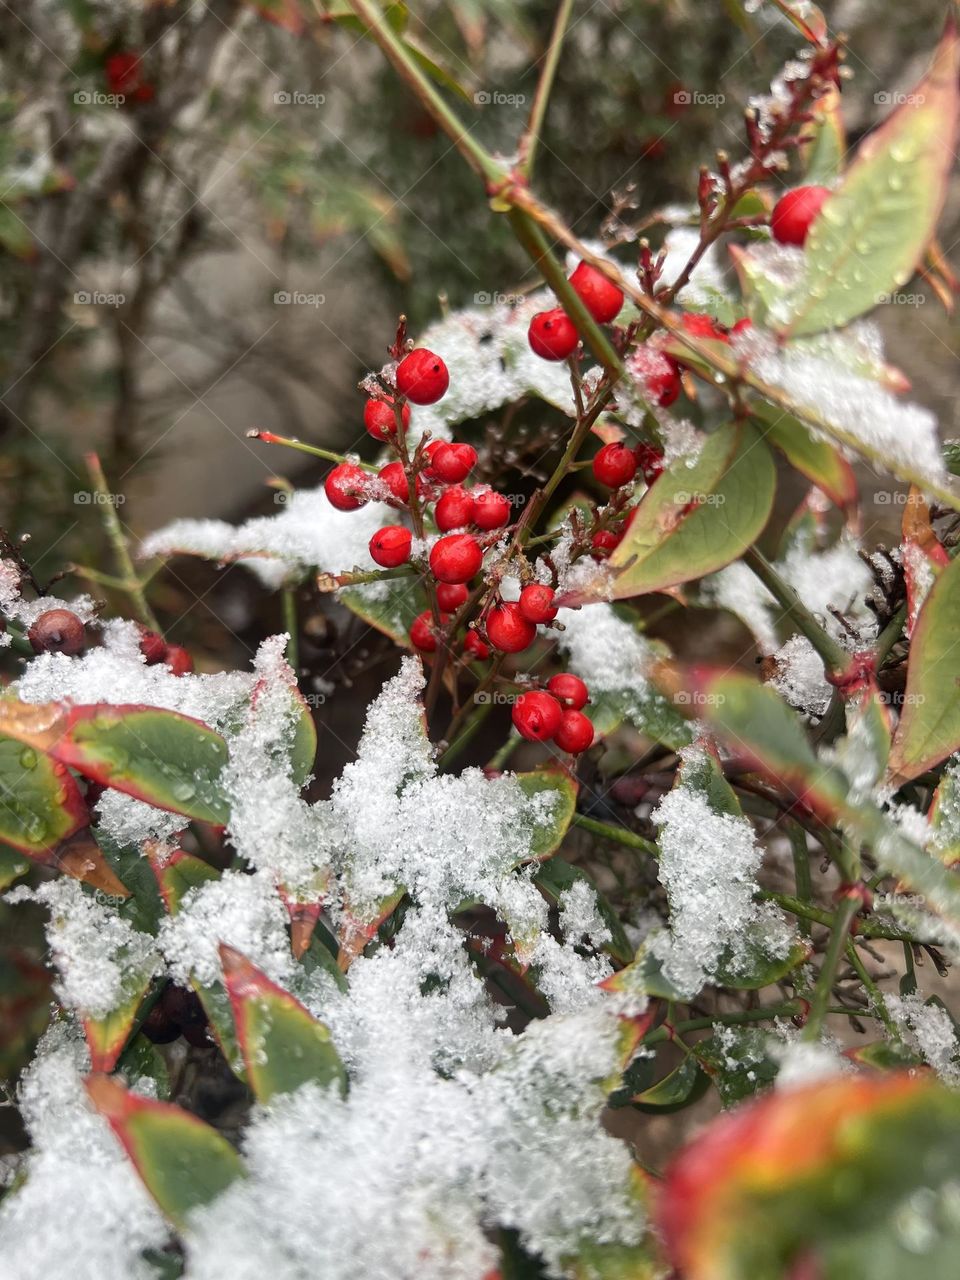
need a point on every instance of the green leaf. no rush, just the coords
(283, 1045)
(823, 145)
(556, 875)
(167, 759)
(669, 541)
(13, 864)
(737, 1061)
(751, 966)
(183, 1162)
(643, 976)
(107, 1036)
(814, 458)
(547, 837)
(142, 1060)
(872, 231)
(679, 1089)
(177, 873)
(929, 728)
(390, 605)
(40, 803)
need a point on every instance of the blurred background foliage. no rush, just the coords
(266, 148)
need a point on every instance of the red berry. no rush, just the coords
(664, 384)
(508, 630)
(794, 212)
(344, 487)
(422, 377)
(178, 660)
(454, 509)
(395, 478)
(380, 419)
(472, 644)
(122, 74)
(536, 716)
(453, 462)
(575, 733)
(536, 603)
(390, 546)
(650, 461)
(456, 558)
(615, 465)
(599, 295)
(603, 542)
(569, 690)
(152, 646)
(491, 510)
(552, 334)
(742, 325)
(700, 326)
(451, 595)
(57, 631)
(429, 452)
(422, 633)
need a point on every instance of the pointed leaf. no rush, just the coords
(107, 1036)
(283, 1045)
(177, 873)
(167, 759)
(40, 803)
(391, 606)
(183, 1162)
(929, 728)
(682, 1086)
(823, 144)
(814, 458)
(558, 783)
(874, 228)
(695, 519)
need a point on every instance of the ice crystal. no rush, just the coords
(928, 1029)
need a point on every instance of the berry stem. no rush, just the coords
(291, 623)
(835, 659)
(527, 148)
(269, 437)
(841, 921)
(621, 834)
(131, 584)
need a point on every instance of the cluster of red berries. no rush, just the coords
(155, 649)
(61, 631)
(555, 714)
(122, 73)
(553, 335)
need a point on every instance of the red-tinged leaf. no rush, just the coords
(283, 1045)
(929, 728)
(183, 1162)
(698, 517)
(817, 459)
(167, 759)
(176, 873)
(874, 228)
(40, 803)
(282, 13)
(922, 552)
(303, 921)
(814, 1173)
(107, 1036)
(357, 930)
(83, 859)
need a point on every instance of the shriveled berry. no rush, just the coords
(650, 461)
(456, 558)
(614, 465)
(57, 631)
(794, 212)
(395, 478)
(454, 509)
(475, 646)
(491, 510)
(575, 732)
(380, 419)
(390, 546)
(158, 1027)
(422, 632)
(603, 542)
(599, 295)
(552, 334)
(422, 377)
(344, 487)
(451, 595)
(183, 1006)
(508, 630)
(536, 716)
(536, 603)
(453, 462)
(569, 690)
(152, 646)
(178, 659)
